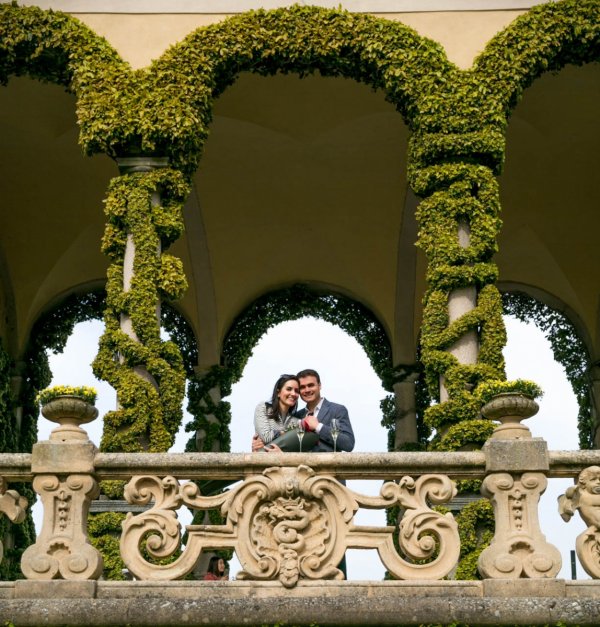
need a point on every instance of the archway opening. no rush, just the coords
(347, 377)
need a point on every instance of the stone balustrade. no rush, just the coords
(290, 518)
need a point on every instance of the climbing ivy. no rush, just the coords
(12, 441)
(476, 530)
(454, 156)
(149, 412)
(457, 119)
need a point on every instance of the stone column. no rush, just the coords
(208, 405)
(460, 302)
(130, 165)
(406, 414)
(63, 469)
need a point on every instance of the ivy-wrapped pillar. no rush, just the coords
(143, 211)
(144, 217)
(463, 332)
(406, 434)
(211, 413)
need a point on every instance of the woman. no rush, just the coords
(216, 569)
(275, 416)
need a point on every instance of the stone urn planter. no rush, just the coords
(69, 411)
(509, 408)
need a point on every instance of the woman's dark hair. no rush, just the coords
(213, 566)
(273, 406)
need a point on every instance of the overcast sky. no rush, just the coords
(348, 378)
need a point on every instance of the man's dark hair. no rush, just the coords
(309, 372)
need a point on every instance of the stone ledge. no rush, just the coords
(55, 589)
(272, 589)
(238, 603)
(521, 588)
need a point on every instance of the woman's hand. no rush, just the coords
(257, 443)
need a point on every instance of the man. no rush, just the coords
(317, 416)
(319, 412)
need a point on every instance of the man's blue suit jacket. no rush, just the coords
(328, 411)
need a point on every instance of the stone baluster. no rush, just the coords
(63, 469)
(516, 468)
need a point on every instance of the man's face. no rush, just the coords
(310, 389)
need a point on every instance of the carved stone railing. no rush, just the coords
(290, 518)
(290, 523)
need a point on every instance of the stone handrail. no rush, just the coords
(290, 517)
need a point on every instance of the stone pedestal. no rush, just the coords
(516, 465)
(63, 477)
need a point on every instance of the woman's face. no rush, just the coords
(221, 566)
(288, 394)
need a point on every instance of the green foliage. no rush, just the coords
(476, 530)
(84, 392)
(458, 121)
(104, 531)
(150, 408)
(487, 391)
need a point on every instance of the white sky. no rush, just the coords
(348, 378)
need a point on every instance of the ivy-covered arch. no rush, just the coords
(254, 321)
(384, 54)
(545, 39)
(57, 48)
(458, 119)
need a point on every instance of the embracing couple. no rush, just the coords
(326, 419)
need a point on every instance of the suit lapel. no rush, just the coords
(323, 413)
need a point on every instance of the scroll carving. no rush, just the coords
(62, 549)
(519, 549)
(290, 524)
(12, 505)
(585, 498)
